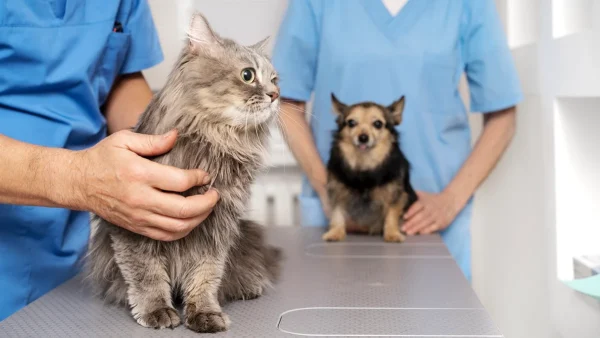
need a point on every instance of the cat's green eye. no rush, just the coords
(248, 75)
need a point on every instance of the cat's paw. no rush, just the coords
(394, 237)
(335, 235)
(207, 322)
(253, 294)
(160, 319)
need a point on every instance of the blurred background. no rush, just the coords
(540, 209)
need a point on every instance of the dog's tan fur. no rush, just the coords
(357, 159)
(386, 203)
(392, 199)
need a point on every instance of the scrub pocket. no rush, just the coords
(115, 52)
(441, 72)
(439, 76)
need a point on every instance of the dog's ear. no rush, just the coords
(338, 107)
(396, 109)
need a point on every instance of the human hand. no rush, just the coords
(430, 213)
(116, 183)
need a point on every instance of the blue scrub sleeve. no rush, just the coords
(144, 49)
(490, 69)
(296, 49)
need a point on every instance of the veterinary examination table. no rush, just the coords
(359, 287)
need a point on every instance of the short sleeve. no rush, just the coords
(490, 69)
(144, 49)
(296, 49)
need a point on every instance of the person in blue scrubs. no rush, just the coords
(362, 50)
(70, 73)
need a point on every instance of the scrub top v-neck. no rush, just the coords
(394, 6)
(360, 52)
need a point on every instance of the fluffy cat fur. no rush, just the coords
(368, 176)
(223, 129)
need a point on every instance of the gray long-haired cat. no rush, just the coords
(220, 96)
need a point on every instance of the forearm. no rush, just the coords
(34, 175)
(128, 99)
(498, 130)
(300, 141)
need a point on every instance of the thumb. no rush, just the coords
(151, 145)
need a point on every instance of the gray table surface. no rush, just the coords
(360, 287)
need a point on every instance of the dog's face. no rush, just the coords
(367, 126)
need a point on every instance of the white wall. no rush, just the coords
(516, 249)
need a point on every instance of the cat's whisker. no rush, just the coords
(281, 130)
(300, 110)
(246, 128)
(255, 126)
(282, 127)
(298, 124)
(291, 107)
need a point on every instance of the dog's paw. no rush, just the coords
(160, 319)
(394, 237)
(207, 322)
(334, 235)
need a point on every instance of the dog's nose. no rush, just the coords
(363, 138)
(273, 95)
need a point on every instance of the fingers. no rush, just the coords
(169, 178)
(417, 223)
(156, 234)
(166, 216)
(413, 210)
(147, 145)
(168, 229)
(430, 229)
(179, 207)
(412, 222)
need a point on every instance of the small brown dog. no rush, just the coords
(368, 176)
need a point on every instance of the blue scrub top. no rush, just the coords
(357, 50)
(58, 61)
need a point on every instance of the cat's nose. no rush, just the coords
(273, 95)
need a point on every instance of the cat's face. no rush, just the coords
(233, 84)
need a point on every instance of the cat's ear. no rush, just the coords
(200, 34)
(261, 46)
(338, 107)
(396, 109)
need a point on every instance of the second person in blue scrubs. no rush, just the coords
(360, 51)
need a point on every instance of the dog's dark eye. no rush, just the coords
(351, 123)
(378, 124)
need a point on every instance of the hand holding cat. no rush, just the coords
(132, 192)
(430, 213)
